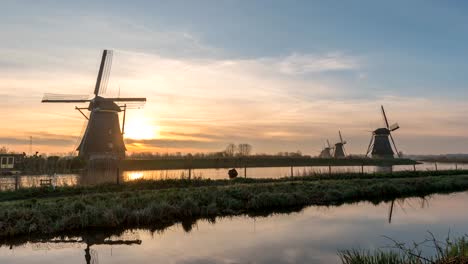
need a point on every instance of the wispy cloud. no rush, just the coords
(199, 98)
(298, 63)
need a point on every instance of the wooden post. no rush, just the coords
(16, 182)
(190, 173)
(118, 176)
(329, 170)
(245, 171)
(362, 169)
(414, 167)
(436, 166)
(456, 166)
(292, 171)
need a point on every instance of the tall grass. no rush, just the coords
(139, 185)
(131, 206)
(446, 252)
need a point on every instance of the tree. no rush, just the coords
(230, 150)
(3, 150)
(244, 149)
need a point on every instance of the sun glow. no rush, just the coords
(140, 128)
(135, 175)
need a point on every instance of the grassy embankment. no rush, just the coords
(453, 251)
(150, 203)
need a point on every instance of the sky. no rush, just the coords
(279, 75)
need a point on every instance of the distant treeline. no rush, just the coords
(212, 155)
(448, 158)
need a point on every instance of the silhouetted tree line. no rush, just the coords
(231, 151)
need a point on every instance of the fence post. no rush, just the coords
(245, 171)
(292, 171)
(362, 169)
(16, 182)
(118, 175)
(414, 167)
(456, 166)
(190, 173)
(436, 166)
(329, 170)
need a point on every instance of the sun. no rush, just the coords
(140, 129)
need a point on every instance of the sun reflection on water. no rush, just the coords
(135, 176)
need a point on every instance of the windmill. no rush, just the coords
(379, 146)
(89, 239)
(326, 153)
(339, 148)
(103, 135)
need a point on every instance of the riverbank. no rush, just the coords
(446, 251)
(150, 203)
(138, 185)
(254, 162)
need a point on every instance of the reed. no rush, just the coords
(306, 176)
(132, 206)
(448, 251)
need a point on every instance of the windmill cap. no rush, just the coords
(382, 131)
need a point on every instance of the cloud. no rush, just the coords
(199, 98)
(298, 63)
(203, 104)
(39, 139)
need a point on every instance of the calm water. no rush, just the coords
(312, 235)
(272, 172)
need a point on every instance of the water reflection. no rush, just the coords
(102, 175)
(312, 235)
(423, 201)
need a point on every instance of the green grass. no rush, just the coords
(146, 204)
(140, 185)
(446, 252)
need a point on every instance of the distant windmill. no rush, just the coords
(103, 136)
(326, 153)
(379, 146)
(339, 148)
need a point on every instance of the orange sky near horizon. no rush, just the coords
(202, 105)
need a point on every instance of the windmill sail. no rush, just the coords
(326, 152)
(103, 135)
(380, 145)
(101, 73)
(65, 98)
(339, 148)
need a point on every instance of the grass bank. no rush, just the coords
(449, 251)
(140, 185)
(132, 206)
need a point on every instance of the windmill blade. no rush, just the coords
(370, 145)
(126, 99)
(384, 116)
(106, 74)
(341, 138)
(104, 70)
(129, 103)
(65, 98)
(394, 127)
(328, 144)
(394, 145)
